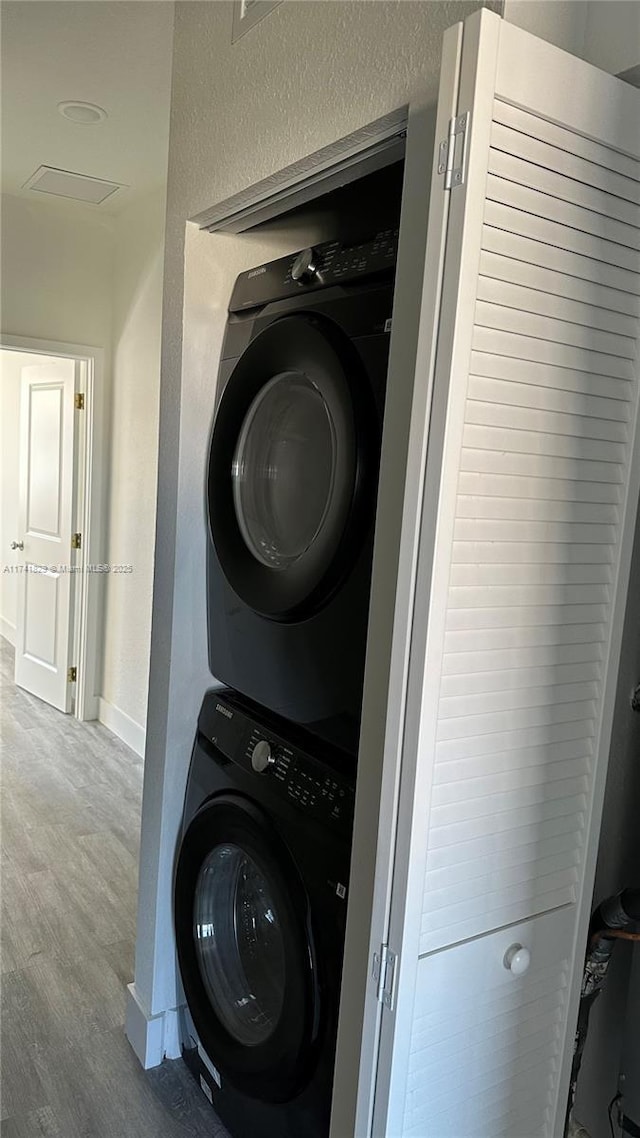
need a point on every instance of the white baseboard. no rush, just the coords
(122, 725)
(8, 630)
(153, 1038)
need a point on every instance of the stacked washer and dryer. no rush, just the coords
(262, 866)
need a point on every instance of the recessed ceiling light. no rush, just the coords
(84, 113)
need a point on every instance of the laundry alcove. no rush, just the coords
(506, 511)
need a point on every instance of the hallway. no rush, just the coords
(71, 796)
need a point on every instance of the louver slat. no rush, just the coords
(513, 208)
(534, 290)
(542, 468)
(513, 182)
(612, 309)
(557, 388)
(512, 158)
(514, 234)
(526, 323)
(572, 154)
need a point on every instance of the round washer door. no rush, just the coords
(290, 466)
(245, 951)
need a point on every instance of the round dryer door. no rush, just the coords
(290, 467)
(244, 949)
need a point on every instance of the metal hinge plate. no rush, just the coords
(384, 973)
(79, 401)
(72, 675)
(452, 152)
(76, 541)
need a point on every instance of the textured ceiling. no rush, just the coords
(115, 54)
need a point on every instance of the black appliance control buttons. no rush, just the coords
(305, 266)
(262, 756)
(283, 757)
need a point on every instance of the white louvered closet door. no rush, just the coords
(530, 497)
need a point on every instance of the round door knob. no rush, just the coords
(305, 265)
(17, 545)
(517, 959)
(262, 756)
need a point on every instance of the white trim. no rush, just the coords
(369, 148)
(90, 523)
(8, 630)
(152, 1037)
(245, 18)
(87, 598)
(172, 1043)
(122, 725)
(406, 860)
(415, 317)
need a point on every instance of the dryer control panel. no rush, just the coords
(331, 263)
(312, 785)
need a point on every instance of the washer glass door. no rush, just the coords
(245, 950)
(239, 941)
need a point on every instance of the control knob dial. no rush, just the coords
(262, 756)
(305, 266)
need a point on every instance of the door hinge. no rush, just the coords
(72, 675)
(76, 541)
(384, 973)
(79, 401)
(452, 152)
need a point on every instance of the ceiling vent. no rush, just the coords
(66, 184)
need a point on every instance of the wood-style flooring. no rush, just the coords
(71, 796)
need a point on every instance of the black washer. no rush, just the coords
(260, 893)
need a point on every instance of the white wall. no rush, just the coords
(305, 76)
(55, 271)
(561, 23)
(612, 34)
(71, 274)
(56, 267)
(604, 32)
(11, 364)
(137, 310)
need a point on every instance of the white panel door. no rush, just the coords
(485, 1040)
(45, 514)
(531, 492)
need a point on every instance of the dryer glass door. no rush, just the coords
(292, 467)
(284, 470)
(245, 949)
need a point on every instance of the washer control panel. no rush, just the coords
(308, 783)
(311, 784)
(262, 756)
(331, 263)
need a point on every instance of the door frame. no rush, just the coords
(408, 408)
(88, 513)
